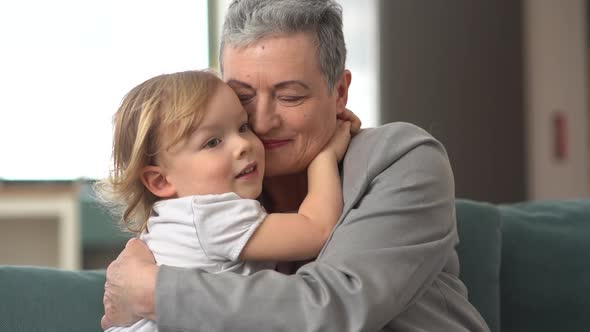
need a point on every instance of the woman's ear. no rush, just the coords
(341, 90)
(155, 181)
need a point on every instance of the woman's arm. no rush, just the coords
(392, 244)
(301, 236)
(397, 234)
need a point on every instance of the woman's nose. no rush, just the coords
(264, 117)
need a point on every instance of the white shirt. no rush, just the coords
(202, 231)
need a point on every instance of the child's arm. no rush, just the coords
(299, 236)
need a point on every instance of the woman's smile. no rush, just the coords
(275, 144)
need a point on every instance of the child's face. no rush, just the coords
(222, 155)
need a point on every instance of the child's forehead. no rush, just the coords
(221, 116)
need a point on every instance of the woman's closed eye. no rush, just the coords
(245, 98)
(212, 143)
(294, 100)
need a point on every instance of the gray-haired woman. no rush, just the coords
(390, 263)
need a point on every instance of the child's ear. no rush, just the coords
(341, 90)
(156, 182)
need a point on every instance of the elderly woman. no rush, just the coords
(390, 263)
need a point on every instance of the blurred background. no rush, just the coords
(503, 84)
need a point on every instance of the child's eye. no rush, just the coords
(244, 127)
(212, 143)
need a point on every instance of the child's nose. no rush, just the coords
(243, 148)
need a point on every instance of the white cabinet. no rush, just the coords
(39, 224)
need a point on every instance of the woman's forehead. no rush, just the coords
(293, 49)
(272, 63)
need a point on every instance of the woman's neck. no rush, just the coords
(286, 193)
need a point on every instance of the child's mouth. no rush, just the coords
(251, 168)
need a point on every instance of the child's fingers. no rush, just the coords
(347, 126)
(355, 127)
(344, 127)
(348, 115)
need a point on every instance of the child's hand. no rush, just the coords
(348, 115)
(339, 142)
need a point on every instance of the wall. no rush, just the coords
(456, 69)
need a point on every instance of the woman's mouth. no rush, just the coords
(274, 144)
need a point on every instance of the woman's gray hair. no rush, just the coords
(248, 21)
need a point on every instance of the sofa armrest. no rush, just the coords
(479, 228)
(46, 299)
(545, 274)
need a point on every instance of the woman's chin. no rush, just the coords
(282, 169)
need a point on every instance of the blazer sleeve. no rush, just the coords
(386, 251)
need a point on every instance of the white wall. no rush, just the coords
(556, 58)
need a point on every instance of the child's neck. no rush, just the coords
(286, 193)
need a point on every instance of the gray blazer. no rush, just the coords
(390, 264)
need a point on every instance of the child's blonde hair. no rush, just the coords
(172, 103)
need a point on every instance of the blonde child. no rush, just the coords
(188, 171)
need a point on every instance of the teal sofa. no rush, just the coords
(527, 267)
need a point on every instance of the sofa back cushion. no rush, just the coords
(479, 251)
(45, 299)
(545, 275)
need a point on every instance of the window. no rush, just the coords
(67, 64)
(361, 36)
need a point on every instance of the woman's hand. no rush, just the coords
(355, 122)
(130, 289)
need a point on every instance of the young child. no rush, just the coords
(189, 170)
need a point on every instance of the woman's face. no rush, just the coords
(279, 83)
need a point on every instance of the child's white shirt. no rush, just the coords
(202, 231)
